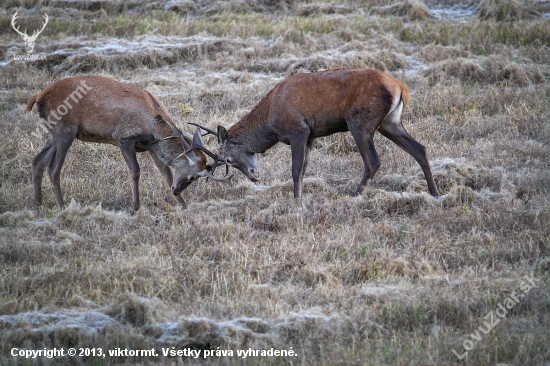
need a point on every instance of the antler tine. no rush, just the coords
(198, 140)
(187, 140)
(13, 18)
(183, 153)
(37, 32)
(209, 131)
(219, 179)
(216, 157)
(198, 144)
(204, 149)
(215, 165)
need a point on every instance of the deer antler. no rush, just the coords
(13, 18)
(225, 179)
(197, 144)
(208, 131)
(217, 158)
(194, 146)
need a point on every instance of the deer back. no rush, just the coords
(104, 109)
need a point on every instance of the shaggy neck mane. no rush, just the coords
(251, 131)
(166, 150)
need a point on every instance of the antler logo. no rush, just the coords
(29, 40)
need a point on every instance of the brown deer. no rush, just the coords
(303, 107)
(99, 109)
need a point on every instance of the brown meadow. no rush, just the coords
(391, 277)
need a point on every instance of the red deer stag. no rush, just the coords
(306, 106)
(98, 109)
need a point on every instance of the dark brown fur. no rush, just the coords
(306, 106)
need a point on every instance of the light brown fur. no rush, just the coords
(98, 109)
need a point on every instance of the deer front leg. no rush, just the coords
(306, 157)
(167, 174)
(299, 147)
(128, 149)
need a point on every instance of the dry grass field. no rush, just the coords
(392, 277)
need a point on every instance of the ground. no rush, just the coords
(392, 277)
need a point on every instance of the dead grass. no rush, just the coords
(508, 9)
(392, 277)
(409, 9)
(491, 70)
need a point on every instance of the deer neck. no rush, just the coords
(252, 131)
(167, 150)
(168, 144)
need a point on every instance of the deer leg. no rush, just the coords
(397, 133)
(62, 143)
(167, 174)
(306, 157)
(298, 147)
(364, 141)
(39, 163)
(128, 150)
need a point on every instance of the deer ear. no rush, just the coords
(192, 160)
(197, 139)
(223, 136)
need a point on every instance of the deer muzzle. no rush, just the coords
(253, 175)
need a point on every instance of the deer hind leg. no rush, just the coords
(166, 173)
(364, 141)
(62, 142)
(392, 128)
(128, 150)
(39, 163)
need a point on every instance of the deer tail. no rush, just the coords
(30, 102)
(405, 95)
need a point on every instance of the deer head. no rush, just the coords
(29, 40)
(198, 165)
(237, 156)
